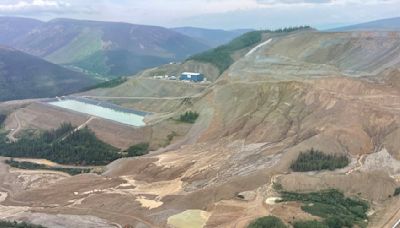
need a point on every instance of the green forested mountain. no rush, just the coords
(105, 48)
(25, 76)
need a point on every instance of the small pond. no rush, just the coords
(102, 110)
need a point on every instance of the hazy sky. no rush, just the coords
(225, 14)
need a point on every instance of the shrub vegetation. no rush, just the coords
(267, 222)
(396, 191)
(138, 150)
(314, 160)
(331, 205)
(189, 117)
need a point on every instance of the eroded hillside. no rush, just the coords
(335, 92)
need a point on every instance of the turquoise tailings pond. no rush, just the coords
(102, 109)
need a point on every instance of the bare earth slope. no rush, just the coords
(336, 92)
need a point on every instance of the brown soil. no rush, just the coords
(304, 90)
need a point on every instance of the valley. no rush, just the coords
(280, 93)
(99, 48)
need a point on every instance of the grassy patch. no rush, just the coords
(34, 166)
(189, 117)
(267, 222)
(314, 160)
(189, 218)
(139, 149)
(6, 224)
(331, 205)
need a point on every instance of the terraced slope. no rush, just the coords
(314, 54)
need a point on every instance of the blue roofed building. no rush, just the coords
(193, 77)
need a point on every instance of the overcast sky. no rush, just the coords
(226, 14)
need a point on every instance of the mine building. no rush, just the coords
(190, 76)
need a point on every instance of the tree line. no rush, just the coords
(34, 166)
(292, 29)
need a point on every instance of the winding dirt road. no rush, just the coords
(11, 136)
(258, 47)
(394, 220)
(79, 127)
(358, 165)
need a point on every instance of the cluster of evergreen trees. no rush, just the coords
(292, 29)
(314, 160)
(63, 145)
(52, 135)
(189, 117)
(138, 150)
(331, 205)
(396, 191)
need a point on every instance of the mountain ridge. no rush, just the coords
(25, 76)
(386, 24)
(100, 47)
(211, 37)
